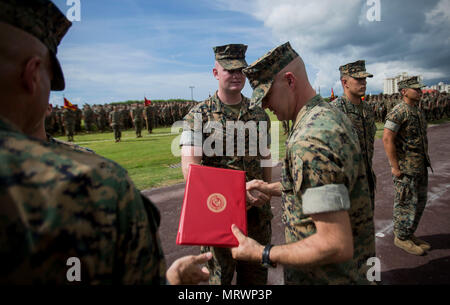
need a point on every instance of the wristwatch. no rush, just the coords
(266, 262)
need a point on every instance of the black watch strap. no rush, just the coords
(266, 262)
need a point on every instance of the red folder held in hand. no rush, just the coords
(214, 199)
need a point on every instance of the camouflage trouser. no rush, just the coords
(89, 125)
(409, 203)
(149, 125)
(138, 127)
(117, 131)
(222, 266)
(70, 129)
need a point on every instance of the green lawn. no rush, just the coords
(380, 128)
(149, 160)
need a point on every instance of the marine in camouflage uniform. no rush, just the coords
(113, 232)
(115, 120)
(101, 118)
(58, 203)
(89, 118)
(321, 175)
(69, 122)
(148, 118)
(136, 115)
(78, 117)
(363, 120)
(409, 127)
(211, 111)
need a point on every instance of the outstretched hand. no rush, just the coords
(187, 270)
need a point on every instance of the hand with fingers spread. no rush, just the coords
(187, 270)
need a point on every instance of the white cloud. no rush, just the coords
(330, 33)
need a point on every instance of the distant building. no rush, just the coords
(390, 84)
(441, 87)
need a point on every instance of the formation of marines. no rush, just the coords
(96, 118)
(434, 105)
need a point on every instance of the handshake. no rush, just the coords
(260, 192)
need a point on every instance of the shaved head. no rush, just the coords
(289, 91)
(25, 77)
(296, 66)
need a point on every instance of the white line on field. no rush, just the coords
(112, 140)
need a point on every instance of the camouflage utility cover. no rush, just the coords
(231, 56)
(43, 20)
(322, 173)
(355, 69)
(411, 142)
(262, 72)
(58, 203)
(411, 82)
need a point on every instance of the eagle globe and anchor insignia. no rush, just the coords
(216, 202)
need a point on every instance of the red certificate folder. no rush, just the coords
(214, 199)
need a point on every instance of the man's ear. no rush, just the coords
(31, 74)
(344, 82)
(215, 73)
(290, 78)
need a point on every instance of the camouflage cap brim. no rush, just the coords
(410, 83)
(232, 64)
(355, 69)
(417, 86)
(261, 73)
(58, 83)
(259, 93)
(361, 75)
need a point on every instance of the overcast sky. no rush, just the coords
(127, 49)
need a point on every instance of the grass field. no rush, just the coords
(149, 160)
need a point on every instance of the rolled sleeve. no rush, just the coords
(392, 126)
(326, 198)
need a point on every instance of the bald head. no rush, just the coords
(295, 73)
(16, 46)
(25, 77)
(290, 90)
(297, 67)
